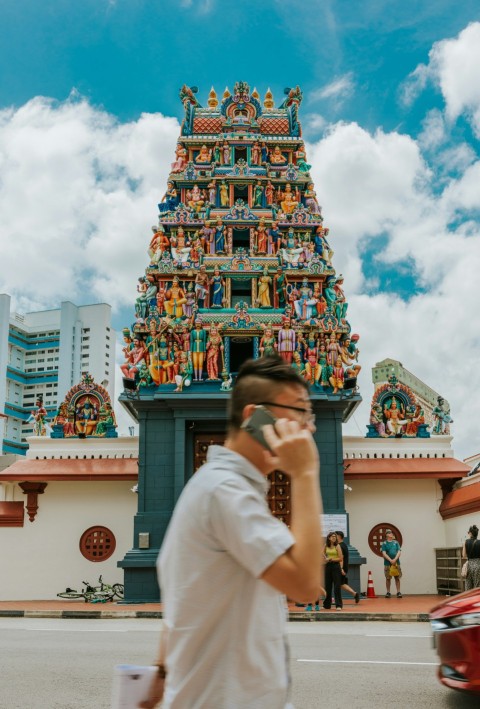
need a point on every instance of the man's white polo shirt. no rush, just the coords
(227, 645)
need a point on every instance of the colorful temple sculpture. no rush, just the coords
(85, 412)
(395, 412)
(239, 264)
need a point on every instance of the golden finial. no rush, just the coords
(268, 100)
(212, 98)
(226, 94)
(255, 94)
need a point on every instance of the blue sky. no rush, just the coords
(89, 116)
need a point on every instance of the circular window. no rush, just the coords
(377, 536)
(97, 544)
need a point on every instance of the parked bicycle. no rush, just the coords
(102, 593)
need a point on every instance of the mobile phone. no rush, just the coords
(254, 425)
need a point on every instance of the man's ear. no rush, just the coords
(248, 411)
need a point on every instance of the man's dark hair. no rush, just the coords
(340, 534)
(260, 380)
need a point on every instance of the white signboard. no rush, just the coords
(333, 523)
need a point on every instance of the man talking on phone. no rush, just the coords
(227, 563)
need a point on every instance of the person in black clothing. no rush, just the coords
(471, 551)
(344, 548)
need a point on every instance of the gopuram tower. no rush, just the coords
(239, 266)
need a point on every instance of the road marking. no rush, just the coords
(369, 662)
(389, 635)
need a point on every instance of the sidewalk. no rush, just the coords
(408, 608)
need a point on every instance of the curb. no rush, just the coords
(310, 617)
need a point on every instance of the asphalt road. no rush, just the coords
(67, 664)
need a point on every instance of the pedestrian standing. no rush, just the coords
(346, 556)
(227, 563)
(471, 551)
(333, 572)
(391, 551)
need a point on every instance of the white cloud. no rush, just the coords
(339, 89)
(453, 66)
(78, 189)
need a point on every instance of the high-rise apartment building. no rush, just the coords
(45, 353)
(427, 397)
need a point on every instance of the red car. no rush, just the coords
(456, 636)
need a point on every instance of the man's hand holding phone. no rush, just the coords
(292, 448)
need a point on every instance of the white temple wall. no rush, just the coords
(43, 557)
(410, 505)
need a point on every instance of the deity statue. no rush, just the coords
(395, 417)
(180, 247)
(442, 418)
(297, 364)
(106, 419)
(341, 305)
(415, 417)
(181, 162)
(305, 303)
(333, 349)
(196, 248)
(255, 153)
(313, 369)
(269, 191)
(337, 376)
(201, 286)
(301, 158)
(286, 342)
(86, 416)
(169, 199)
(214, 348)
(195, 199)
(39, 416)
(326, 369)
(280, 284)
(218, 289)
(224, 194)
(322, 247)
(258, 194)
(164, 363)
(185, 371)
(134, 358)
(175, 299)
(212, 193)
(204, 157)
(219, 237)
(63, 419)
(311, 201)
(274, 238)
(263, 294)
(376, 420)
(277, 157)
(148, 290)
(226, 152)
(190, 301)
(160, 298)
(216, 153)
(261, 238)
(290, 254)
(198, 344)
(206, 237)
(158, 244)
(288, 203)
(267, 346)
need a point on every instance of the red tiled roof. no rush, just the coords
(73, 469)
(392, 468)
(207, 124)
(461, 502)
(274, 126)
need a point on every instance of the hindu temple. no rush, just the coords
(238, 265)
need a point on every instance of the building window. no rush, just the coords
(97, 544)
(377, 536)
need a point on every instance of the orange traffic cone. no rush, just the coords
(370, 588)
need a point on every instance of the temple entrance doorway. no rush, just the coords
(241, 291)
(241, 237)
(240, 192)
(241, 348)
